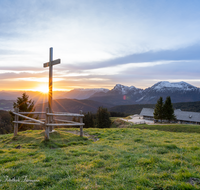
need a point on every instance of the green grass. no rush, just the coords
(117, 122)
(169, 127)
(122, 158)
(114, 118)
(128, 117)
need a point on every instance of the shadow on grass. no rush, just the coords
(36, 140)
(57, 140)
(63, 142)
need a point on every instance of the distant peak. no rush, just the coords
(120, 86)
(178, 85)
(123, 89)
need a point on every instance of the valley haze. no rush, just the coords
(118, 95)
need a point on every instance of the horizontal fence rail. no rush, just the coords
(31, 113)
(65, 114)
(67, 121)
(24, 122)
(48, 121)
(26, 117)
(65, 124)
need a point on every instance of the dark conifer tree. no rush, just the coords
(103, 118)
(24, 105)
(88, 120)
(168, 110)
(158, 111)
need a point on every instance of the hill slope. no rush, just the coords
(120, 159)
(81, 93)
(73, 105)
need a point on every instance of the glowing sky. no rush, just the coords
(100, 43)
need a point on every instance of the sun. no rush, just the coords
(42, 88)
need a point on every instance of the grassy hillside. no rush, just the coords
(170, 127)
(125, 158)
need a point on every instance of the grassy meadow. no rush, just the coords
(170, 127)
(115, 158)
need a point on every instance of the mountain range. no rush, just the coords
(130, 100)
(124, 95)
(91, 99)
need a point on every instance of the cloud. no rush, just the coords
(100, 42)
(88, 31)
(186, 53)
(141, 76)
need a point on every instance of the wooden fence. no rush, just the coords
(49, 120)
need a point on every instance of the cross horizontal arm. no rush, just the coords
(57, 61)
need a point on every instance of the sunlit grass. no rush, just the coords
(122, 158)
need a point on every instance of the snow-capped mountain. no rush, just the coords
(179, 92)
(121, 89)
(120, 94)
(180, 86)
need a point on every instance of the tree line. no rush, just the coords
(99, 120)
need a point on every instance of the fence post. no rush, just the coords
(46, 127)
(16, 124)
(51, 128)
(81, 126)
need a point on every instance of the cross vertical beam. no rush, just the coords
(50, 79)
(50, 65)
(50, 85)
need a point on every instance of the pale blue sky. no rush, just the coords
(100, 42)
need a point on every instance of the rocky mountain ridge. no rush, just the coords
(123, 95)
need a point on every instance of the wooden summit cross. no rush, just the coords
(49, 120)
(50, 65)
